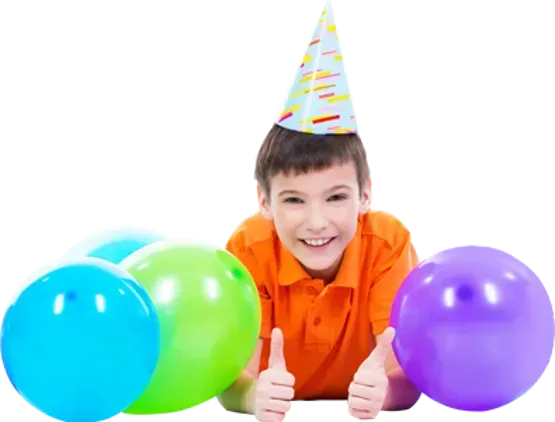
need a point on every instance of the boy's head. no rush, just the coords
(313, 187)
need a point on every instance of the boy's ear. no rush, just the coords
(366, 197)
(263, 203)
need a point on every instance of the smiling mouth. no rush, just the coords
(317, 243)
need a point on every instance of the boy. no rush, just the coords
(327, 269)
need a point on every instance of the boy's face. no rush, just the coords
(316, 214)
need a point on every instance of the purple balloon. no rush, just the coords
(475, 328)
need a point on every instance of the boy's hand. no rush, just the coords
(274, 390)
(368, 390)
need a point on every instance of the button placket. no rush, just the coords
(312, 291)
(317, 333)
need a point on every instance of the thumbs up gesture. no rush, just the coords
(368, 389)
(274, 390)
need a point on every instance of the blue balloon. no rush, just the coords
(81, 340)
(114, 245)
(6, 373)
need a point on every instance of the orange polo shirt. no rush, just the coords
(328, 330)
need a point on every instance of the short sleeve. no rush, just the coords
(247, 257)
(396, 264)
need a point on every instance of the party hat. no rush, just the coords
(319, 101)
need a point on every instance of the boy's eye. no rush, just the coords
(338, 197)
(293, 200)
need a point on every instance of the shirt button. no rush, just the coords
(312, 290)
(317, 321)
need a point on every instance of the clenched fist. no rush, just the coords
(274, 390)
(368, 389)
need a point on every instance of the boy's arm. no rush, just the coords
(401, 392)
(240, 396)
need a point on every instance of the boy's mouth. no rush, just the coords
(317, 243)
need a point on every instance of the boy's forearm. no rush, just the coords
(401, 393)
(240, 396)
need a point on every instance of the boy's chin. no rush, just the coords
(319, 265)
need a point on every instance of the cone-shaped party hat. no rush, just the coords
(319, 101)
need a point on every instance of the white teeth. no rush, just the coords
(316, 242)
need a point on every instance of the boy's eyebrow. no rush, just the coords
(338, 187)
(289, 192)
(294, 192)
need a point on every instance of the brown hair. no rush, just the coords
(287, 151)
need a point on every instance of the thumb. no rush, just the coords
(277, 359)
(383, 346)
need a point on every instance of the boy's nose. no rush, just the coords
(317, 221)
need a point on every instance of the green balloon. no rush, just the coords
(210, 316)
